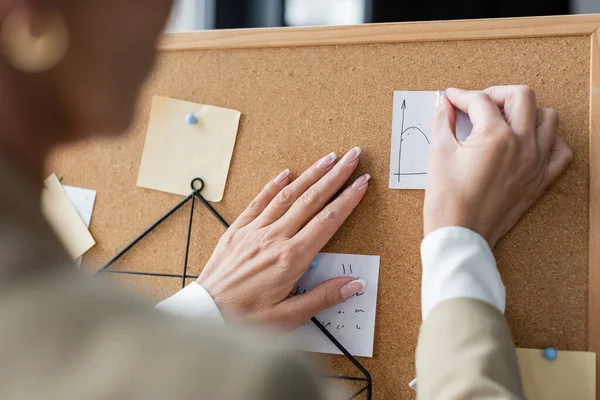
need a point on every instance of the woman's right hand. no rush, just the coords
(487, 182)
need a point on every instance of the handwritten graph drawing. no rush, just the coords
(411, 124)
(405, 135)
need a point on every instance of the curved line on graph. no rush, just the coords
(414, 127)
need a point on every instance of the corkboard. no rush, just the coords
(301, 102)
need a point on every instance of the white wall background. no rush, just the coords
(324, 12)
(189, 15)
(585, 6)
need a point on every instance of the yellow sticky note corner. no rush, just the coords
(572, 375)
(64, 218)
(176, 151)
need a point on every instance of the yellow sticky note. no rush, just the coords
(572, 375)
(64, 218)
(176, 152)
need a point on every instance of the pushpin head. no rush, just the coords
(314, 264)
(191, 119)
(550, 353)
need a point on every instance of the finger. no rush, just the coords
(518, 103)
(318, 195)
(260, 202)
(301, 308)
(288, 195)
(482, 111)
(547, 124)
(443, 125)
(315, 235)
(559, 158)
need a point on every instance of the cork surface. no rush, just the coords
(300, 103)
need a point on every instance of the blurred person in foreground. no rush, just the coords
(71, 69)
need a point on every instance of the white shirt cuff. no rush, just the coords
(458, 262)
(192, 301)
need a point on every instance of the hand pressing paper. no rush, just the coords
(64, 218)
(352, 322)
(411, 136)
(179, 149)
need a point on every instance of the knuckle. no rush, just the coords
(227, 237)
(336, 171)
(289, 255)
(286, 196)
(265, 241)
(328, 215)
(552, 116)
(328, 298)
(501, 134)
(481, 96)
(255, 206)
(311, 196)
(567, 155)
(524, 92)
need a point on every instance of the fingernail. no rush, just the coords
(282, 175)
(352, 288)
(327, 160)
(439, 94)
(361, 180)
(351, 156)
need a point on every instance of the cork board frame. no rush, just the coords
(442, 31)
(225, 43)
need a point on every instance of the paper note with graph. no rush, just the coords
(411, 125)
(352, 322)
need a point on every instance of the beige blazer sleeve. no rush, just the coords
(465, 351)
(72, 338)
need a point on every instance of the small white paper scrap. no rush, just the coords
(352, 322)
(411, 125)
(83, 200)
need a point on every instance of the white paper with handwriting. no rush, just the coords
(352, 322)
(411, 137)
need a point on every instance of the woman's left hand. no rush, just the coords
(270, 246)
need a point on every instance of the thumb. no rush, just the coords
(443, 124)
(301, 308)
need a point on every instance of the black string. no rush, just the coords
(187, 245)
(367, 388)
(118, 271)
(147, 231)
(197, 185)
(212, 210)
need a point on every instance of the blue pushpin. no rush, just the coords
(550, 353)
(191, 119)
(314, 264)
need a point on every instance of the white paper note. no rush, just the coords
(64, 218)
(352, 322)
(411, 125)
(83, 200)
